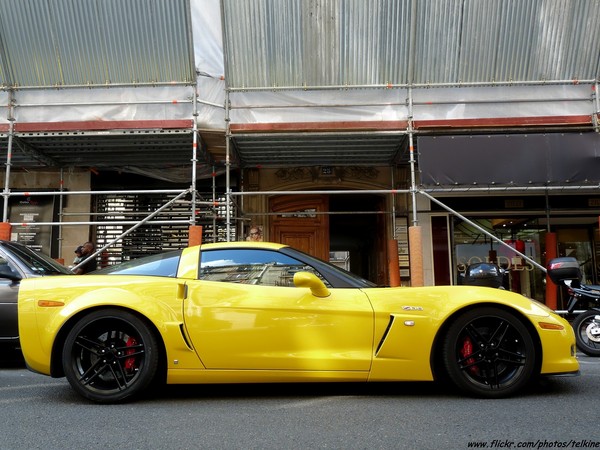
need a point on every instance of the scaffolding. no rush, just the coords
(411, 130)
(267, 109)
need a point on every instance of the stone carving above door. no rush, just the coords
(327, 174)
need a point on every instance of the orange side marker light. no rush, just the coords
(50, 303)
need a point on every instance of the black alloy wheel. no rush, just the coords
(586, 332)
(110, 355)
(489, 353)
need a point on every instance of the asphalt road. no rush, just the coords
(38, 412)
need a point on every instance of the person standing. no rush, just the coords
(88, 266)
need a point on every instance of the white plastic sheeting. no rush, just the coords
(208, 53)
(109, 104)
(428, 104)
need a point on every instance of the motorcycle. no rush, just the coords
(565, 271)
(483, 274)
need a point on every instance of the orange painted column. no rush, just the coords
(551, 288)
(195, 237)
(393, 263)
(5, 231)
(415, 242)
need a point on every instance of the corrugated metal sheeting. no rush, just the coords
(302, 43)
(315, 43)
(95, 42)
(273, 44)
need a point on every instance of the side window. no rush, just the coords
(250, 266)
(6, 269)
(158, 265)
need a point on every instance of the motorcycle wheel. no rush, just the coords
(583, 325)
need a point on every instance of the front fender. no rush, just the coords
(408, 322)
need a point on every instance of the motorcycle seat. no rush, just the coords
(595, 288)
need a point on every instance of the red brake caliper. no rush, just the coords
(466, 351)
(130, 362)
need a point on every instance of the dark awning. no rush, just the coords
(514, 160)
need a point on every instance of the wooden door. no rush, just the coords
(300, 225)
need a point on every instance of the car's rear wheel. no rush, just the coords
(110, 355)
(488, 352)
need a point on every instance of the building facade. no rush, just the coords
(401, 139)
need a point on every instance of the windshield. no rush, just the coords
(159, 265)
(328, 269)
(37, 263)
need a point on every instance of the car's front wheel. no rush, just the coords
(110, 355)
(488, 352)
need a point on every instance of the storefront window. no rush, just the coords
(472, 246)
(576, 242)
(528, 236)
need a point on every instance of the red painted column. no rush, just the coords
(415, 243)
(195, 235)
(393, 263)
(5, 231)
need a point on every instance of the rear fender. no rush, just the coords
(165, 318)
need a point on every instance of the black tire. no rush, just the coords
(587, 343)
(110, 355)
(488, 352)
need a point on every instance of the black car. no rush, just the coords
(17, 262)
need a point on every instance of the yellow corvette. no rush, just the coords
(262, 312)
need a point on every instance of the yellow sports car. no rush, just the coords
(263, 312)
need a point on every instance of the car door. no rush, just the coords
(9, 291)
(246, 314)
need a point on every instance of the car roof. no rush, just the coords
(243, 244)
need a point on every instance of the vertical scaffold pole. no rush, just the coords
(227, 169)
(11, 132)
(596, 115)
(214, 200)
(195, 231)
(415, 242)
(194, 155)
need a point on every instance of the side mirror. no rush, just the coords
(7, 272)
(311, 281)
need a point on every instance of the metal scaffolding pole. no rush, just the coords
(393, 198)
(194, 157)
(214, 204)
(595, 116)
(11, 132)
(491, 101)
(116, 222)
(317, 192)
(60, 212)
(412, 161)
(518, 189)
(409, 85)
(133, 191)
(111, 85)
(227, 169)
(484, 231)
